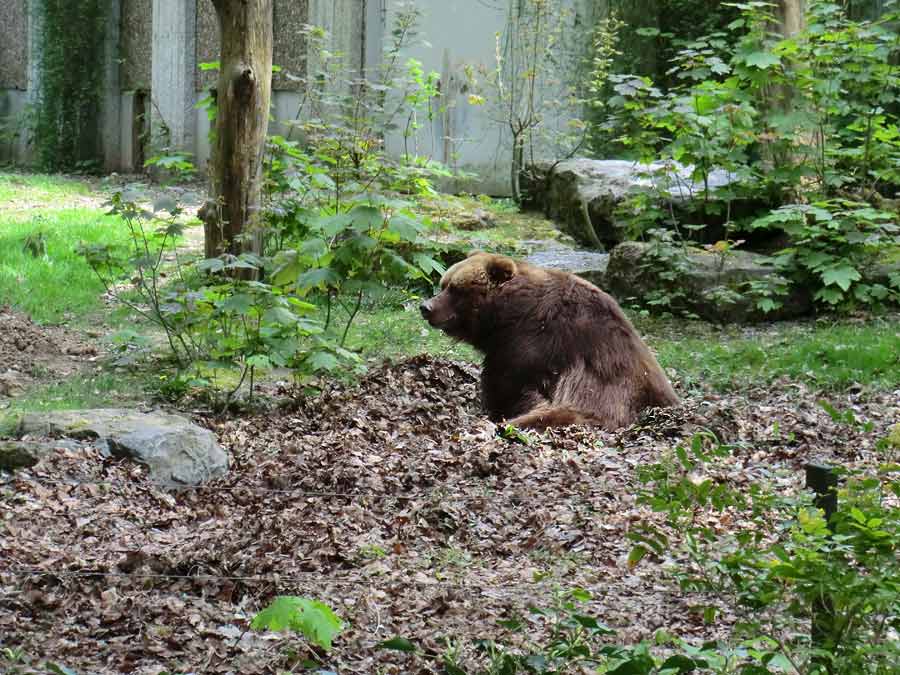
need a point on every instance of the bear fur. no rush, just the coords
(557, 350)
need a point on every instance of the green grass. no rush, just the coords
(396, 332)
(511, 227)
(826, 356)
(60, 285)
(20, 188)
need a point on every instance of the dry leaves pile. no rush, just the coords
(395, 503)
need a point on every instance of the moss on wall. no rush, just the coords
(136, 45)
(13, 44)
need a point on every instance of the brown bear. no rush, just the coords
(557, 350)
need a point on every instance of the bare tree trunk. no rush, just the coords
(243, 97)
(791, 16)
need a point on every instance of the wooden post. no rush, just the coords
(823, 480)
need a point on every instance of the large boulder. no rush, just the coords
(711, 285)
(176, 451)
(582, 195)
(589, 265)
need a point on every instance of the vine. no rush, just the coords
(69, 48)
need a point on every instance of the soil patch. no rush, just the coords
(395, 502)
(30, 352)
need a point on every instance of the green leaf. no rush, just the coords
(679, 663)
(239, 303)
(761, 60)
(322, 361)
(59, 669)
(315, 620)
(399, 644)
(767, 305)
(365, 217)
(636, 555)
(259, 361)
(321, 277)
(280, 315)
(404, 227)
(314, 248)
(843, 276)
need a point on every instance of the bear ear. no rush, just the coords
(500, 270)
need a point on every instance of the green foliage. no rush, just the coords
(355, 253)
(808, 123)
(787, 563)
(578, 642)
(221, 327)
(331, 238)
(833, 244)
(70, 48)
(313, 619)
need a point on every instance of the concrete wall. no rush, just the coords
(160, 43)
(13, 78)
(454, 36)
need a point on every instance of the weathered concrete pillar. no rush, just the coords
(344, 21)
(35, 28)
(173, 74)
(373, 28)
(111, 97)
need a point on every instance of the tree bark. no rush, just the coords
(243, 97)
(791, 17)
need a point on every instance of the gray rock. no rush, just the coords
(589, 265)
(176, 451)
(12, 384)
(583, 194)
(15, 455)
(711, 286)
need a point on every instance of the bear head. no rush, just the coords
(466, 289)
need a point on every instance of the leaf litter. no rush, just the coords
(396, 503)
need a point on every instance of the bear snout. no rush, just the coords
(426, 308)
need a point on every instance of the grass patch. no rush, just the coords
(511, 228)
(101, 390)
(397, 331)
(23, 189)
(59, 285)
(826, 356)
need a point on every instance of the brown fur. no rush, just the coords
(557, 350)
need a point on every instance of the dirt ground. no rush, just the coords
(30, 353)
(393, 501)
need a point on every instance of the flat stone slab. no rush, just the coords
(590, 265)
(176, 451)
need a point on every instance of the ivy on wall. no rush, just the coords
(69, 45)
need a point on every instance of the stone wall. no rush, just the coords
(13, 44)
(136, 44)
(289, 51)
